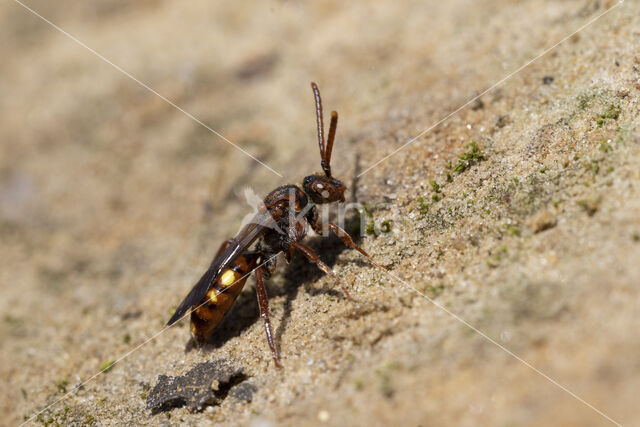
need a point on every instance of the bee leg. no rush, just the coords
(263, 304)
(313, 257)
(347, 240)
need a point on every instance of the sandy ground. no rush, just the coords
(112, 203)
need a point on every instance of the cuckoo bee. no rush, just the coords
(279, 226)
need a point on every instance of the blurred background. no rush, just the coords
(112, 201)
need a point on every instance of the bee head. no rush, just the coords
(323, 189)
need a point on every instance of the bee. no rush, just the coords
(279, 226)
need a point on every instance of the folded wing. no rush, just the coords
(247, 236)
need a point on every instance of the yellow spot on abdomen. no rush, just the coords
(212, 296)
(227, 278)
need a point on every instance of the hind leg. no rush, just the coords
(263, 304)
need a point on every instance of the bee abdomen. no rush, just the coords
(221, 295)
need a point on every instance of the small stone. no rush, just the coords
(243, 391)
(323, 416)
(543, 220)
(387, 262)
(206, 384)
(502, 121)
(547, 80)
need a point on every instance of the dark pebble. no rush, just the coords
(194, 388)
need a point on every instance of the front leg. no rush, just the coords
(345, 237)
(313, 257)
